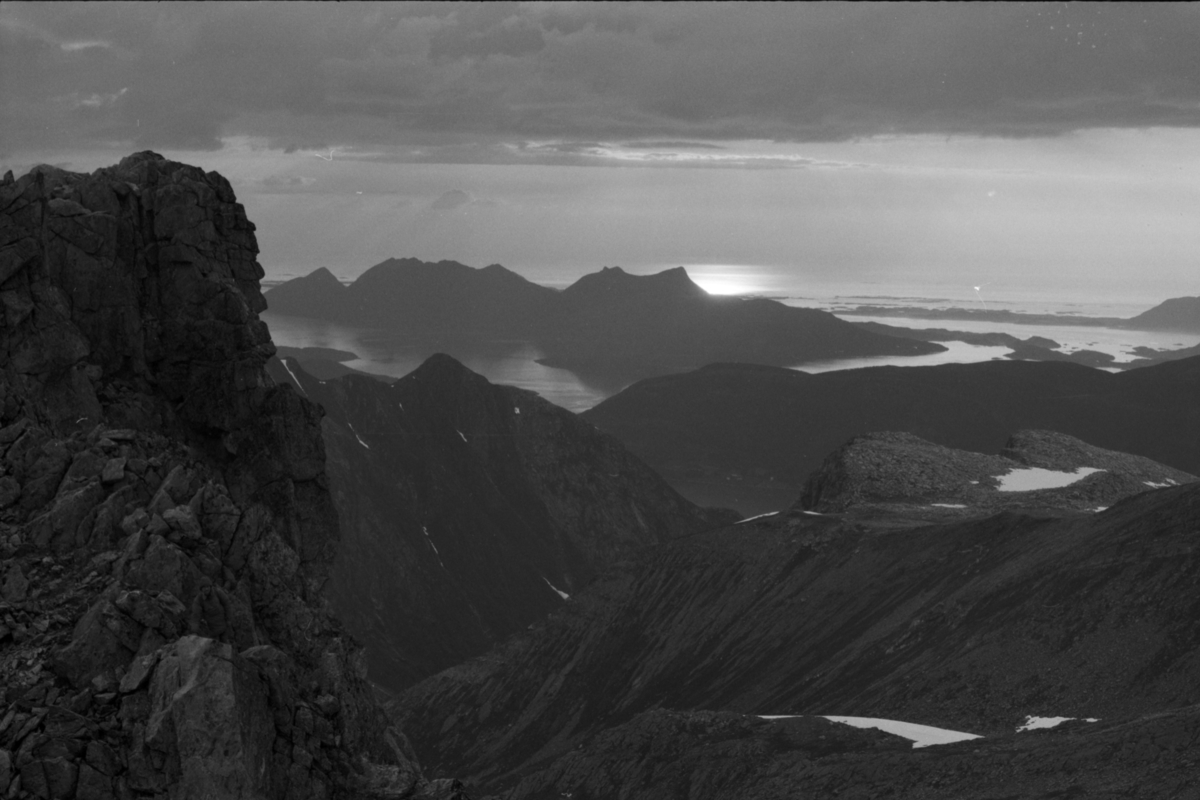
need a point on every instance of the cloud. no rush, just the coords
(452, 200)
(656, 76)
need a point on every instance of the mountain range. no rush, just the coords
(225, 576)
(748, 436)
(609, 326)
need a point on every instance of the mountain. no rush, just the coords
(443, 300)
(165, 520)
(612, 323)
(609, 326)
(649, 680)
(748, 436)
(904, 474)
(469, 511)
(1175, 314)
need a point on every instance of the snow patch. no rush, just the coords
(1033, 478)
(356, 436)
(759, 516)
(557, 591)
(1098, 509)
(1163, 485)
(516, 410)
(919, 735)
(1038, 723)
(460, 433)
(294, 378)
(947, 505)
(814, 513)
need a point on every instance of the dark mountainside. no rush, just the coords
(748, 436)
(609, 327)
(165, 520)
(466, 507)
(971, 625)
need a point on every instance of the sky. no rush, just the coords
(1025, 148)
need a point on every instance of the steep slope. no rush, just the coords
(904, 474)
(970, 626)
(443, 300)
(748, 436)
(468, 510)
(612, 323)
(165, 522)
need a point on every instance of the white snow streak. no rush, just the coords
(1034, 478)
(919, 735)
(759, 516)
(1037, 723)
(356, 436)
(1163, 485)
(294, 378)
(557, 591)
(460, 433)
(947, 505)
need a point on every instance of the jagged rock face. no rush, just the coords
(969, 626)
(165, 522)
(467, 507)
(901, 473)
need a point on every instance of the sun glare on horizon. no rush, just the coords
(727, 279)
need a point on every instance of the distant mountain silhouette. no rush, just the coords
(1176, 314)
(614, 323)
(748, 436)
(610, 326)
(443, 299)
(466, 508)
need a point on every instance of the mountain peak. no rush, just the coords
(616, 283)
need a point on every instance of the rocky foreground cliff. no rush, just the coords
(165, 522)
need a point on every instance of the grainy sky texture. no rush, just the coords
(1052, 145)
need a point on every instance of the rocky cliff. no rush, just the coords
(165, 521)
(470, 510)
(899, 473)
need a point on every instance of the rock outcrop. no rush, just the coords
(165, 520)
(470, 510)
(749, 436)
(899, 473)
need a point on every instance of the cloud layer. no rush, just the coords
(471, 82)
